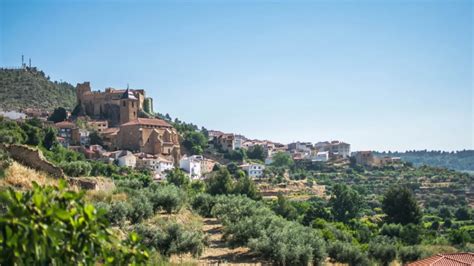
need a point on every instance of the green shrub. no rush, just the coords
(382, 249)
(459, 237)
(140, 208)
(168, 198)
(178, 178)
(347, 253)
(118, 212)
(411, 234)
(5, 162)
(52, 226)
(203, 204)
(78, 168)
(289, 243)
(136, 179)
(170, 238)
(409, 253)
(391, 230)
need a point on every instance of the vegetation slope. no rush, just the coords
(31, 88)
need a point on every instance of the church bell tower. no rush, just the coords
(128, 107)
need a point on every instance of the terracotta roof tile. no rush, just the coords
(65, 124)
(148, 122)
(453, 259)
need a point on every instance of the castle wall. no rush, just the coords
(104, 105)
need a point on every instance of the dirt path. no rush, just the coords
(218, 253)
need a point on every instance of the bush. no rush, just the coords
(170, 238)
(391, 230)
(220, 182)
(409, 253)
(77, 168)
(463, 214)
(134, 180)
(178, 178)
(383, 250)
(5, 162)
(168, 198)
(118, 212)
(289, 243)
(141, 208)
(247, 222)
(411, 234)
(346, 253)
(459, 237)
(52, 226)
(203, 204)
(246, 186)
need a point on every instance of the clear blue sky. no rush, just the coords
(384, 75)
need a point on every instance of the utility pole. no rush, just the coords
(22, 61)
(30, 62)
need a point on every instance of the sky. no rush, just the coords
(380, 75)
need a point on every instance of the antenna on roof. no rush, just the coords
(127, 86)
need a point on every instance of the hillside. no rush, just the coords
(460, 160)
(31, 88)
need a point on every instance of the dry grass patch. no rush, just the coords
(22, 177)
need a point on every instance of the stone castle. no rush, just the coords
(127, 111)
(106, 105)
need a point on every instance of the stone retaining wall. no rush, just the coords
(32, 158)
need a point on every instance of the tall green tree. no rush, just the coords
(400, 206)
(282, 159)
(59, 114)
(178, 178)
(195, 142)
(49, 138)
(220, 182)
(284, 208)
(345, 203)
(256, 152)
(246, 186)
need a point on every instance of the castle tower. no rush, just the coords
(128, 107)
(82, 88)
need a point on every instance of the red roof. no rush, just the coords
(452, 259)
(110, 130)
(65, 124)
(148, 122)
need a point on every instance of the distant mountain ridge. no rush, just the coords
(30, 88)
(459, 160)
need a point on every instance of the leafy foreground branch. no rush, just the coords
(53, 226)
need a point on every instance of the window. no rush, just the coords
(133, 104)
(123, 103)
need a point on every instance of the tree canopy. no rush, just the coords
(400, 205)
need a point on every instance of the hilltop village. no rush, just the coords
(132, 136)
(153, 175)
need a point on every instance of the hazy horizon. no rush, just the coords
(381, 76)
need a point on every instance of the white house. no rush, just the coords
(192, 165)
(239, 141)
(157, 164)
(125, 158)
(254, 170)
(335, 147)
(165, 164)
(322, 156)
